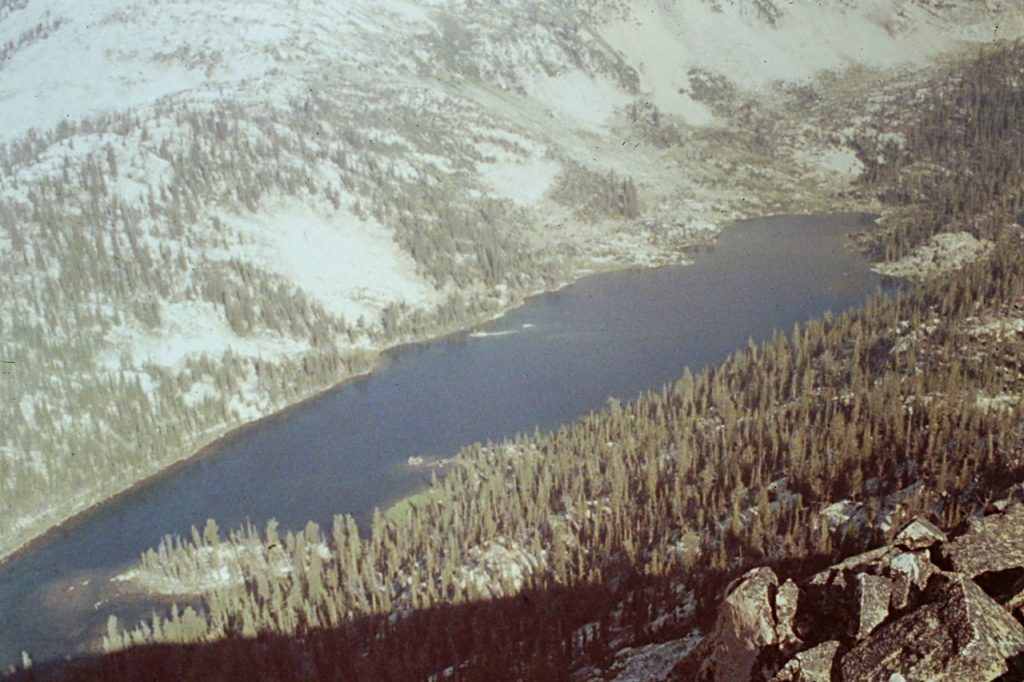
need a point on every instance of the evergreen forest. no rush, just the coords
(540, 557)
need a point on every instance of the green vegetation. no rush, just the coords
(131, 238)
(956, 164)
(93, 255)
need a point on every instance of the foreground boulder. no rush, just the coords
(746, 625)
(812, 665)
(910, 573)
(962, 635)
(919, 534)
(992, 543)
(874, 592)
(787, 600)
(925, 607)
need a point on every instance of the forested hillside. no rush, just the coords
(583, 553)
(211, 210)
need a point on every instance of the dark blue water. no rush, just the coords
(614, 334)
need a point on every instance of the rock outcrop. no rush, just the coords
(786, 601)
(991, 543)
(919, 534)
(925, 607)
(746, 625)
(873, 596)
(960, 634)
(812, 665)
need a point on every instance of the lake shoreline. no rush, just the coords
(227, 435)
(395, 505)
(621, 331)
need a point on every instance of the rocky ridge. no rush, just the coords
(924, 607)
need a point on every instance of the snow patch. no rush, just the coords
(839, 160)
(523, 181)
(352, 266)
(573, 95)
(190, 329)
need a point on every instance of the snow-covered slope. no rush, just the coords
(211, 208)
(69, 59)
(756, 42)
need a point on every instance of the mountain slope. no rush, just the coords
(607, 550)
(210, 210)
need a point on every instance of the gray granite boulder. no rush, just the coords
(961, 634)
(873, 593)
(746, 624)
(787, 599)
(910, 572)
(925, 607)
(991, 543)
(917, 534)
(813, 665)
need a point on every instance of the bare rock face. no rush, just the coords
(891, 613)
(1015, 605)
(853, 597)
(836, 574)
(909, 570)
(963, 634)
(874, 592)
(917, 534)
(813, 665)
(746, 624)
(992, 543)
(786, 601)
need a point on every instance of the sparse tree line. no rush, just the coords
(97, 248)
(607, 195)
(959, 167)
(829, 408)
(682, 489)
(39, 31)
(107, 220)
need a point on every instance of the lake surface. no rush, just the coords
(547, 363)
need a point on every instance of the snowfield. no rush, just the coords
(95, 56)
(352, 266)
(212, 209)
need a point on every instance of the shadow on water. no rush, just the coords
(610, 335)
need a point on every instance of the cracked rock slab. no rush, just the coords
(991, 543)
(961, 634)
(746, 624)
(813, 665)
(909, 569)
(874, 593)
